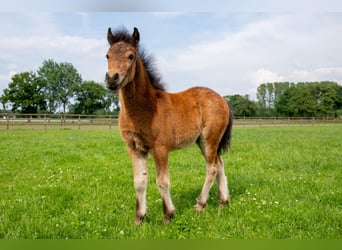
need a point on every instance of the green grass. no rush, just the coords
(285, 183)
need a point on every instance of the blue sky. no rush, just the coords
(230, 51)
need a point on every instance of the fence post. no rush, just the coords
(44, 121)
(7, 122)
(79, 121)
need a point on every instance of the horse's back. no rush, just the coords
(197, 104)
(209, 101)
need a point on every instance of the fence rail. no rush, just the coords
(76, 121)
(285, 121)
(58, 121)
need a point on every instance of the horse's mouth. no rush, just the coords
(113, 83)
(112, 87)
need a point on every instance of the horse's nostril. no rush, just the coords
(112, 79)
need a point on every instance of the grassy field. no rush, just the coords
(285, 183)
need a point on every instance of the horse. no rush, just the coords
(154, 121)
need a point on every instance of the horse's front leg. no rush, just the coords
(139, 161)
(160, 158)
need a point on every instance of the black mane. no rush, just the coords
(122, 34)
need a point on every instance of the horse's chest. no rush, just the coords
(136, 140)
(134, 132)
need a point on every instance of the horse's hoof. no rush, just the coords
(168, 217)
(166, 220)
(199, 207)
(138, 220)
(224, 203)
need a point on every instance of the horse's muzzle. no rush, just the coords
(112, 81)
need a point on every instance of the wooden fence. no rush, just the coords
(285, 121)
(58, 121)
(75, 121)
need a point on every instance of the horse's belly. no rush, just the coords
(181, 140)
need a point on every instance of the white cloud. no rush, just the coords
(166, 15)
(225, 63)
(282, 47)
(318, 74)
(86, 54)
(9, 71)
(50, 45)
(232, 57)
(264, 76)
(30, 38)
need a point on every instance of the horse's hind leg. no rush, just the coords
(215, 169)
(222, 184)
(212, 171)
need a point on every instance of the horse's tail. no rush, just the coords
(225, 140)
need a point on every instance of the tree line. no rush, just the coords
(288, 99)
(59, 88)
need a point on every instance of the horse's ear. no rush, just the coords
(136, 36)
(110, 36)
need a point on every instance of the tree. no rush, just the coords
(92, 98)
(61, 82)
(310, 99)
(268, 95)
(262, 96)
(303, 102)
(25, 94)
(241, 105)
(297, 101)
(282, 104)
(3, 101)
(327, 96)
(280, 88)
(338, 102)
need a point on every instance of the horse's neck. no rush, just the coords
(138, 94)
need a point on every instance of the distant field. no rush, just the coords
(285, 183)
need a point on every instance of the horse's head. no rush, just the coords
(121, 56)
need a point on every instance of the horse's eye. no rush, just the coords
(107, 56)
(131, 57)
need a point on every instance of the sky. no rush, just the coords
(230, 51)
